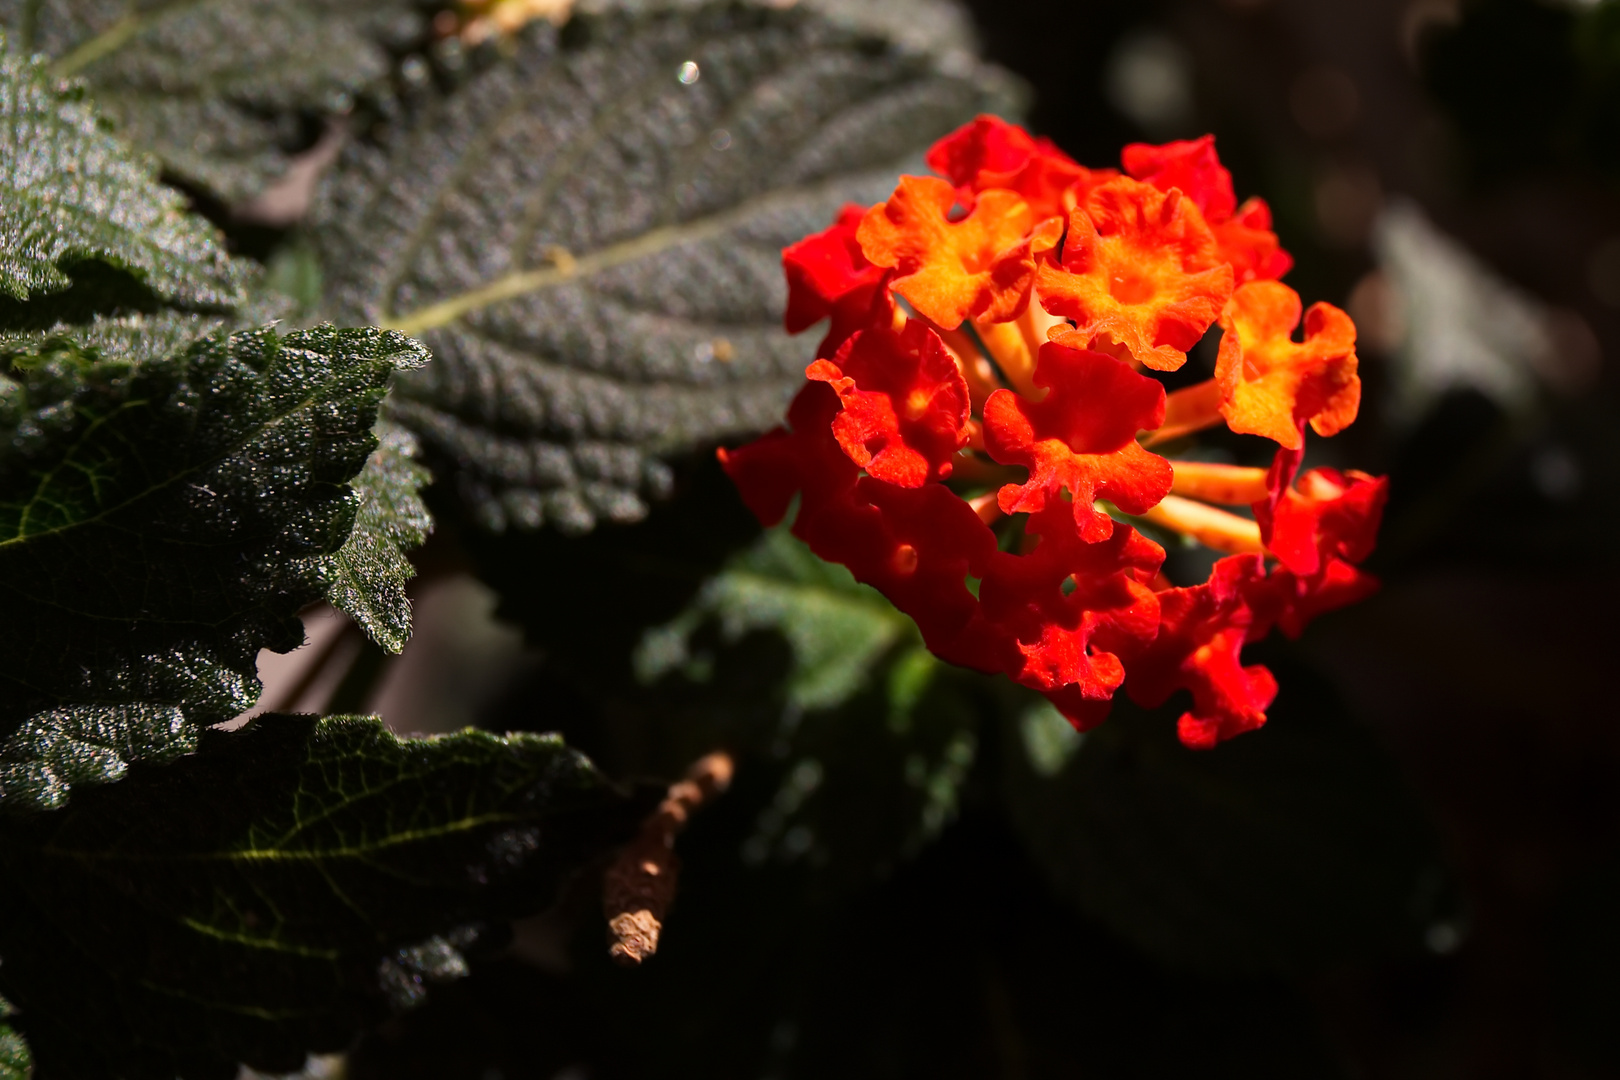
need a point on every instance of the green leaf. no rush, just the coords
(162, 522)
(16, 1063)
(591, 247)
(133, 335)
(366, 577)
(279, 889)
(221, 90)
(1282, 851)
(836, 627)
(71, 195)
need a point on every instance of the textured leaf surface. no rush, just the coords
(591, 247)
(273, 892)
(924, 25)
(220, 90)
(70, 193)
(366, 577)
(161, 522)
(1283, 851)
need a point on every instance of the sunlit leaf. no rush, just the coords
(162, 522)
(81, 215)
(587, 234)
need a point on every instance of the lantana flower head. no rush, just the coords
(976, 436)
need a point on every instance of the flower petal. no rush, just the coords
(1072, 610)
(1192, 166)
(1140, 268)
(828, 275)
(807, 459)
(1270, 384)
(1291, 601)
(990, 153)
(1325, 515)
(917, 546)
(1202, 630)
(905, 403)
(1081, 436)
(980, 267)
(1247, 242)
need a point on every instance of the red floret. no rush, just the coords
(828, 276)
(1325, 515)
(1202, 630)
(801, 458)
(905, 403)
(1072, 610)
(1192, 166)
(991, 153)
(1081, 436)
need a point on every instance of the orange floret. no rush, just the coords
(1140, 267)
(981, 267)
(1272, 385)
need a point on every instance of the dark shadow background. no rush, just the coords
(1479, 679)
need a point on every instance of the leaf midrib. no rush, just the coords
(312, 856)
(115, 37)
(652, 242)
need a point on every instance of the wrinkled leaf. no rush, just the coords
(591, 246)
(131, 337)
(366, 577)
(222, 91)
(1284, 850)
(924, 25)
(280, 888)
(162, 522)
(71, 194)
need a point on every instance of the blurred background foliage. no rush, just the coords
(920, 872)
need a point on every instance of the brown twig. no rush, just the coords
(640, 884)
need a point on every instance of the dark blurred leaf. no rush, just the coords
(1281, 851)
(591, 247)
(272, 893)
(16, 1063)
(872, 735)
(619, 579)
(854, 737)
(71, 194)
(836, 627)
(162, 522)
(1584, 949)
(220, 90)
(962, 965)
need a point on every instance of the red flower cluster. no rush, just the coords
(981, 389)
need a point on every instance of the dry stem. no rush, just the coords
(640, 884)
